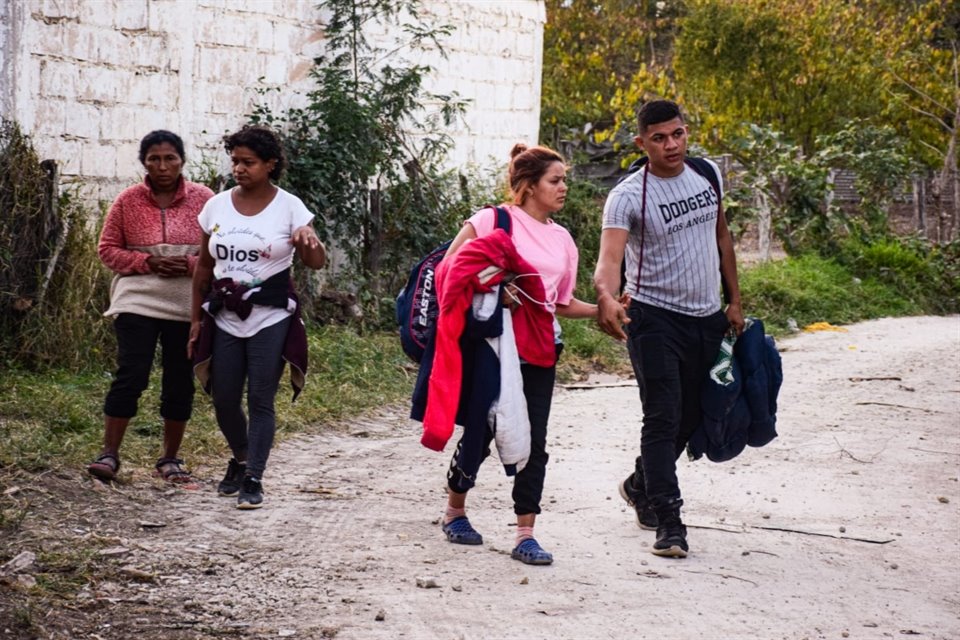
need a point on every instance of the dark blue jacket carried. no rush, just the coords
(745, 411)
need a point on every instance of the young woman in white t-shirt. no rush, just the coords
(242, 284)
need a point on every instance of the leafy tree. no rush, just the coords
(800, 68)
(365, 147)
(789, 190)
(925, 95)
(592, 48)
(876, 155)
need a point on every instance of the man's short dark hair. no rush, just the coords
(657, 111)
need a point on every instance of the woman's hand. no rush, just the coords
(194, 336)
(169, 267)
(308, 246)
(305, 238)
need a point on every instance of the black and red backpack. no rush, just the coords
(417, 307)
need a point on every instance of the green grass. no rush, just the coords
(587, 349)
(812, 289)
(54, 418)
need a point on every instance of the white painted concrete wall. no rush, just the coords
(86, 79)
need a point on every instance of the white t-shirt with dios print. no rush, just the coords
(250, 249)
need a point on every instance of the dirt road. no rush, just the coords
(847, 525)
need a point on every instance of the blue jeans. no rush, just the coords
(258, 361)
(671, 355)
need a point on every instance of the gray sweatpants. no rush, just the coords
(258, 361)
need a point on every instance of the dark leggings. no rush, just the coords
(136, 345)
(474, 445)
(671, 355)
(258, 360)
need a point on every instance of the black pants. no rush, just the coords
(671, 355)
(258, 362)
(474, 445)
(136, 345)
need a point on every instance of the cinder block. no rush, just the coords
(96, 83)
(59, 9)
(58, 79)
(77, 41)
(224, 99)
(277, 69)
(148, 50)
(227, 29)
(128, 160)
(49, 118)
(131, 14)
(120, 124)
(286, 37)
(164, 90)
(68, 156)
(215, 4)
(82, 120)
(171, 16)
(133, 87)
(503, 98)
(218, 65)
(113, 46)
(96, 13)
(98, 160)
(523, 98)
(262, 33)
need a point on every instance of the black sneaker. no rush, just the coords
(251, 494)
(671, 536)
(230, 485)
(637, 498)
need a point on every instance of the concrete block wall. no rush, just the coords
(495, 58)
(86, 79)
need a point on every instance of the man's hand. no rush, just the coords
(169, 267)
(735, 316)
(611, 316)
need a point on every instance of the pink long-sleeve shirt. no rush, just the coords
(137, 228)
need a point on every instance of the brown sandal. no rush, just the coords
(171, 470)
(105, 467)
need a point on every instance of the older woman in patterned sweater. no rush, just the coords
(150, 240)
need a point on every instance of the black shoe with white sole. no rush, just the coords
(636, 496)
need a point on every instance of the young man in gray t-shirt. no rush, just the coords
(665, 222)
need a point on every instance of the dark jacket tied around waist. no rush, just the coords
(275, 291)
(743, 412)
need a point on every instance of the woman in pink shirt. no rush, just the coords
(538, 188)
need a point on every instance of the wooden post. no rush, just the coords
(53, 225)
(919, 203)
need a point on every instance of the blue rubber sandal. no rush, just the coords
(460, 531)
(530, 552)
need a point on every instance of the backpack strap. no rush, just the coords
(705, 169)
(503, 221)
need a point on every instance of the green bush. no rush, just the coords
(810, 288)
(918, 270)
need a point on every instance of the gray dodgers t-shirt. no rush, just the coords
(681, 262)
